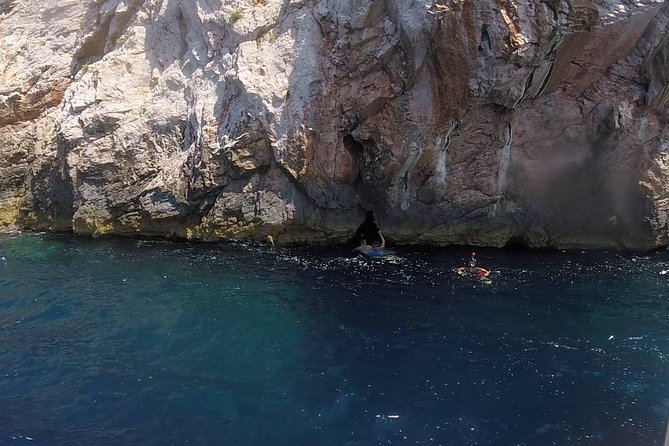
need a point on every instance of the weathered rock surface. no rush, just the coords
(456, 121)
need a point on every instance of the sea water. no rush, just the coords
(126, 342)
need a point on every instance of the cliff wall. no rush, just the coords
(456, 121)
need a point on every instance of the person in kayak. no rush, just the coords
(372, 250)
(472, 269)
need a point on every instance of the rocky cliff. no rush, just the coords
(457, 121)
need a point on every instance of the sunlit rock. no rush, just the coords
(484, 122)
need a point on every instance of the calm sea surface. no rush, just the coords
(127, 342)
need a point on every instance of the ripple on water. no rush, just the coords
(155, 342)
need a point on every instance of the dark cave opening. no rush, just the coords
(354, 146)
(485, 42)
(517, 243)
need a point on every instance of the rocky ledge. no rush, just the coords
(487, 122)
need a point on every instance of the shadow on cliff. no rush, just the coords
(101, 33)
(590, 199)
(6, 6)
(52, 191)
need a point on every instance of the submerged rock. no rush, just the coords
(456, 122)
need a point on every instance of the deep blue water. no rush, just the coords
(151, 342)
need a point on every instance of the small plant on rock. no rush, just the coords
(235, 16)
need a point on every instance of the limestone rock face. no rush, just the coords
(456, 121)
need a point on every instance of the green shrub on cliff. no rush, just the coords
(235, 16)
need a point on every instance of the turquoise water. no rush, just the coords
(155, 343)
